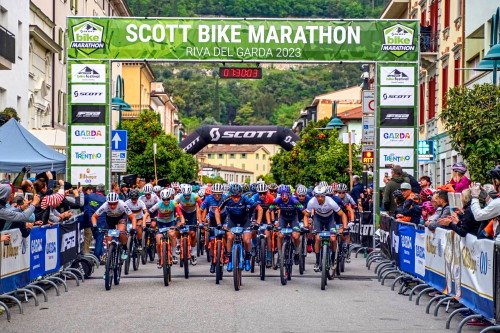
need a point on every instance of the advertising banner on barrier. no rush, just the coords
(475, 274)
(407, 248)
(395, 242)
(70, 241)
(14, 262)
(367, 229)
(435, 243)
(385, 236)
(420, 253)
(44, 250)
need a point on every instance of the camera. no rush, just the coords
(28, 196)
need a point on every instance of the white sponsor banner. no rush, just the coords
(420, 253)
(404, 157)
(88, 155)
(368, 102)
(398, 137)
(397, 76)
(94, 73)
(51, 249)
(95, 135)
(435, 243)
(89, 175)
(397, 96)
(88, 93)
(387, 172)
(16, 256)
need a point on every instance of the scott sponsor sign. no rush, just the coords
(88, 93)
(400, 96)
(215, 134)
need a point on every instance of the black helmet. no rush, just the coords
(494, 173)
(398, 195)
(134, 194)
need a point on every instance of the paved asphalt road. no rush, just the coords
(354, 303)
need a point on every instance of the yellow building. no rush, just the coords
(137, 77)
(252, 158)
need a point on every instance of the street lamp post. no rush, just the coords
(489, 61)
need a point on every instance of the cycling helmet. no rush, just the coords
(284, 189)
(201, 193)
(112, 197)
(459, 167)
(301, 190)
(253, 187)
(426, 194)
(174, 184)
(323, 183)
(245, 187)
(426, 205)
(186, 189)
(170, 192)
(148, 188)
(273, 187)
(319, 190)
(261, 188)
(494, 173)
(217, 188)
(133, 194)
(156, 188)
(398, 194)
(235, 189)
(208, 190)
(225, 187)
(329, 190)
(342, 187)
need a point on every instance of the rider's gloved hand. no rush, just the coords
(219, 226)
(132, 232)
(95, 228)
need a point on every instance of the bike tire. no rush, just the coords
(252, 261)
(263, 258)
(218, 263)
(136, 257)
(165, 266)
(129, 258)
(152, 249)
(144, 255)
(185, 257)
(199, 251)
(324, 269)
(281, 259)
(109, 271)
(118, 267)
(342, 259)
(302, 255)
(236, 268)
(289, 261)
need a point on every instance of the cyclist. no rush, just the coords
(140, 211)
(189, 204)
(264, 199)
(273, 189)
(149, 198)
(116, 212)
(175, 186)
(323, 209)
(303, 198)
(208, 207)
(157, 189)
(167, 210)
(348, 201)
(238, 206)
(289, 207)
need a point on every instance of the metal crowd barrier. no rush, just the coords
(28, 266)
(461, 271)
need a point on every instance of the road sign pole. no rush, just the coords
(154, 159)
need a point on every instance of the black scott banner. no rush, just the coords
(69, 240)
(385, 236)
(401, 117)
(87, 114)
(366, 229)
(395, 241)
(239, 134)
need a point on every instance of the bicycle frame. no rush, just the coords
(238, 242)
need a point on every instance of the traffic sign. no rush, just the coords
(367, 157)
(368, 102)
(368, 129)
(118, 161)
(119, 140)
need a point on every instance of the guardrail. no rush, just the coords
(463, 270)
(47, 257)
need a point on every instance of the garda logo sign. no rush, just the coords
(397, 137)
(51, 249)
(398, 40)
(88, 135)
(87, 36)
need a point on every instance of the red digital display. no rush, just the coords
(240, 73)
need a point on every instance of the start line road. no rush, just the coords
(141, 303)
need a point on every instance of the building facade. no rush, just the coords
(229, 174)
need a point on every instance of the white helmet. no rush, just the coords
(342, 187)
(112, 197)
(201, 193)
(156, 188)
(319, 190)
(329, 190)
(186, 189)
(148, 188)
(323, 183)
(166, 193)
(301, 190)
(261, 188)
(217, 188)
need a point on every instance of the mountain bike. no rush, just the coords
(218, 249)
(166, 255)
(148, 244)
(237, 256)
(185, 251)
(113, 267)
(200, 240)
(302, 248)
(285, 256)
(259, 252)
(343, 253)
(325, 259)
(134, 254)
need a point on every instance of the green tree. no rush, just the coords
(285, 115)
(471, 118)
(244, 115)
(171, 161)
(320, 155)
(8, 113)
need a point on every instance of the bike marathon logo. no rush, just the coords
(398, 40)
(94, 73)
(87, 36)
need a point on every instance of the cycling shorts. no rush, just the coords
(190, 218)
(321, 223)
(160, 225)
(238, 221)
(112, 222)
(284, 223)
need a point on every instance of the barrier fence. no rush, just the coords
(463, 269)
(47, 256)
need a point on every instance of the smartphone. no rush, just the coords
(387, 174)
(79, 185)
(28, 196)
(19, 199)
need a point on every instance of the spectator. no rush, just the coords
(50, 203)
(367, 199)
(440, 200)
(411, 211)
(92, 202)
(357, 190)
(11, 217)
(425, 182)
(492, 209)
(427, 211)
(124, 192)
(389, 205)
(19, 179)
(462, 221)
(399, 199)
(458, 179)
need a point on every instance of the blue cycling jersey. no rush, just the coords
(237, 209)
(288, 210)
(212, 204)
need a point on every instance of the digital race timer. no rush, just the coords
(240, 73)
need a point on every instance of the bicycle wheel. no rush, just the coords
(252, 260)
(152, 248)
(199, 250)
(262, 253)
(109, 271)
(135, 256)
(302, 255)
(118, 266)
(282, 261)
(342, 258)
(185, 257)
(130, 247)
(144, 255)
(325, 263)
(236, 268)
(166, 267)
(218, 263)
(289, 261)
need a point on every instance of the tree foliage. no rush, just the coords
(320, 155)
(7, 114)
(172, 163)
(471, 117)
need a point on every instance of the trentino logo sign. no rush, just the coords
(398, 40)
(87, 36)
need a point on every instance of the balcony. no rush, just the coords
(429, 44)
(7, 49)
(136, 111)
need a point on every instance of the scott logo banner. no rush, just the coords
(88, 94)
(239, 135)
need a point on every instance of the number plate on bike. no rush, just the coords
(184, 230)
(237, 230)
(129, 226)
(263, 228)
(218, 232)
(286, 231)
(162, 230)
(324, 234)
(113, 232)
